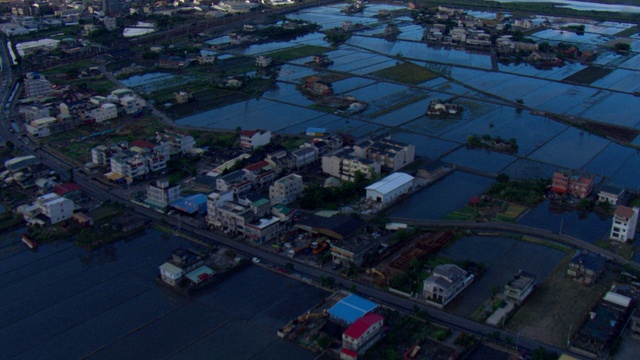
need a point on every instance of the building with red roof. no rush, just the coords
(625, 220)
(251, 139)
(68, 190)
(361, 335)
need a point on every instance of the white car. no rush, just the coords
(255, 260)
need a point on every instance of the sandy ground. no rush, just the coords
(558, 307)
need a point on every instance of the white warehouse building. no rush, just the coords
(390, 188)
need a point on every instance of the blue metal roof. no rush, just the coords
(351, 308)
(190, 204)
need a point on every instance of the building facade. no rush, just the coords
(251, 139)
(445, 283)
(624, 224)
(286, 189)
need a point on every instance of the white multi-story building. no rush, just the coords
(55, 207)
(163, 194)
(361, 335)
(178, 143)
(106, 111)
(132, 104)
(286, 189)
(41, 127)
(101, 155)
(34, 112)
(445, 283)
(344, 165)
(391, 154)
(36, 85)
(135, 165)
(625, 220)
(262, 230)
(251, 139)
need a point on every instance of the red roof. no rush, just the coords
(257, 166)
(624, 212)
(248, 133)
(143, 144)
(361, 325)
(348, 352)
(62, 189)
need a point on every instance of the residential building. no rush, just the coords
(263, 61)
(390, 188)
(132, 165)
(343, 164)
(181, 262)
(183, 97)
(215, 200)
(120, 93)
(281, 161)
(317, 86)
(351, 250)
(36, 85)
(56, 208)
(229, 215)
(236, 181)
(41, 127)
(624, 224)
(572, 184)
(207, 59)
(160, 195)
(132, 104)
(101, 154)
(159, 147)
(391, 154)
(611, 195)
(172, 62)
(361, 335)
(178, 143)
(106, 111)
(445, 283)
(262, 230)
(251, 139)
(286, 189)
(521, 286)
(586, 267)
(304, 156)
(34, 112)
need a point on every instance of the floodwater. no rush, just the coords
(587, 226)
(503, 258)
(62, 302)
(154, 81)
(586, 6)
(445, 196)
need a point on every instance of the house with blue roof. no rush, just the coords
(195, 205)
(350, 309)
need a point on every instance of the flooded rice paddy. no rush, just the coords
(466, 78)
(106, 305)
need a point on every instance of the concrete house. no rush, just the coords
(444, 284)
(585, 267)
(624, 224)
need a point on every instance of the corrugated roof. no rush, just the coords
(390, 183)
(363, 324)
(352, 308)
